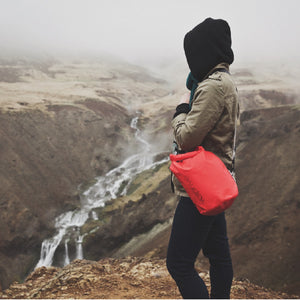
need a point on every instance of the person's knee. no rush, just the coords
(180, 269)
(218, 252)
(218, 258)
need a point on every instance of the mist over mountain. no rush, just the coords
(137, 31)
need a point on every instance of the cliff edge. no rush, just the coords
(131, 277)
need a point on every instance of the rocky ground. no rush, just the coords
(128, 278)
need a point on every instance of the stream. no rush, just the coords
(115, 183)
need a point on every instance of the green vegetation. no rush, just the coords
(144, 183)
(147, 180)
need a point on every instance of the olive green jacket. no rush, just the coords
(211, 121)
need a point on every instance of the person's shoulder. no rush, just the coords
(227, 83)
(212, 85)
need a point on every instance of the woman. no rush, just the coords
(208, 119)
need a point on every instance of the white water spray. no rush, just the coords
(115, 183)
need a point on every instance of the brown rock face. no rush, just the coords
(45, 155)
(263, 222)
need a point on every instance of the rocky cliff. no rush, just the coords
(63, 123)
(45, 156)
(263, 223)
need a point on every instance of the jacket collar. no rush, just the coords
(218, 66)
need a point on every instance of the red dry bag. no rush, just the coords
(206, 180)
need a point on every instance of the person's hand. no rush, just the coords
(185, 98)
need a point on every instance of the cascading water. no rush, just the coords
(107, 187)
(67, 259)
(79, 250)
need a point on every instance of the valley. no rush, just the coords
(63, 124)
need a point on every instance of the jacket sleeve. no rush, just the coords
(191, 128)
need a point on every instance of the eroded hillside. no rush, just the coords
(63, 123)
(263, 223)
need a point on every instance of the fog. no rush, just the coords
(148, 32)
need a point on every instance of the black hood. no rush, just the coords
(207, 45)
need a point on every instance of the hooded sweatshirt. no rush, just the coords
(210, 121)
(208, 45)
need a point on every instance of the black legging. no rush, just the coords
(192, 232)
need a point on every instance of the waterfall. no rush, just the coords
(67, 259)
(94, 215)
(79, 250)
(107, 187)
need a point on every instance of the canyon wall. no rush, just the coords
(45, 157)
(63, 124)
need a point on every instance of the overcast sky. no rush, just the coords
(148, 29)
